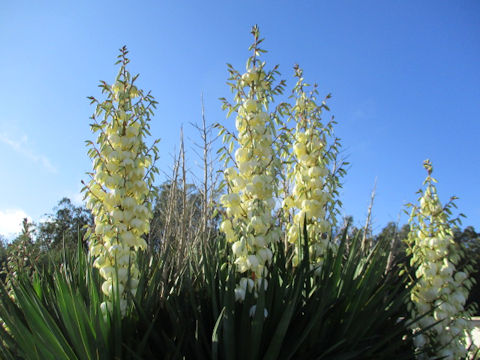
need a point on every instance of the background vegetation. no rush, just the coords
(353, 306)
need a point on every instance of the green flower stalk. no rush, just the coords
(441, 289)
(249, 225)
(119, 189)
(309, 172)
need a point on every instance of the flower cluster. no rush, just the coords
(441, 290)
(309, 197)
(249, 203)
(249, 225)
(118, 191)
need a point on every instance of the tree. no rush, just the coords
(396, 237)
(3, 256)
(64, 227)
(469, 240)
(169, 213)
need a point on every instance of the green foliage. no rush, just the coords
(56, 316)
(3, 256)
(185, 307)
(353, 310)
(469, 240)
(61, 229)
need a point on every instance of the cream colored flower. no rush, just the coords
(309, 197)
(439, 286)
(118, 192)
(249, 202)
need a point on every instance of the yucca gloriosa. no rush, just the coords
(350, 308)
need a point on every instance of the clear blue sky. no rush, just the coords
(404, 76)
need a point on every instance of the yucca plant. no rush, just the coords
(57, 315)
(351, 310)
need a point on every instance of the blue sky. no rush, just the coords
(403, 74)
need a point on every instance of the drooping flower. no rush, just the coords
(309, 173)
(120, 185)
(248, 225)
(438, 298)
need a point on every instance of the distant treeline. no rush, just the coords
(41, 244)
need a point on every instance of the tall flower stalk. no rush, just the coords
(119, 188)
(441, 289)
(309, 172)
(249, 225)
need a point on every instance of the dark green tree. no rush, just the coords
(64, 227)
(395, 236)
(3, 256)
(469, 240)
